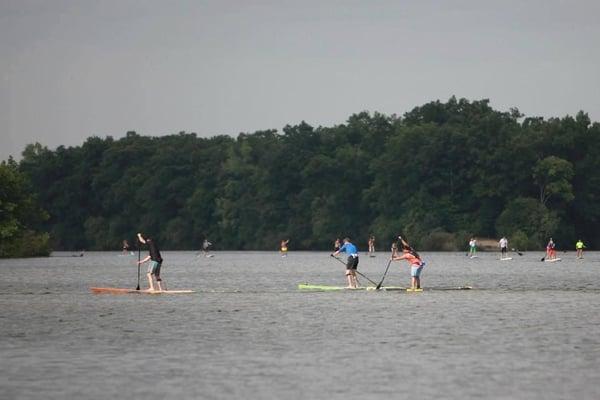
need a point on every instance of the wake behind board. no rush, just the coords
(553, 260)
(98, 290)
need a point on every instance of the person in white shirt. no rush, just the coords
(503, 243)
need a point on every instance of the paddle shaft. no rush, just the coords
(139, 258)
(384, 274)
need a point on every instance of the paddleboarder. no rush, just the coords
(155, 262)
(579, 246)
(337, 244)
(503, 243)
(126, 247)
(205, 248)
(550, 250)
(394, 248)
(414, 260)
(351, 264)
(283, 247)
(371, 246)
(472, 247)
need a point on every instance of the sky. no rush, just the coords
(74, 69)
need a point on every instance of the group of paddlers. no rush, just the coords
(400, 250)
(550, 248)
(406, 252)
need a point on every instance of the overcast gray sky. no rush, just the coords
(73, 69)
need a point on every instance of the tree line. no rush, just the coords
(438, 174)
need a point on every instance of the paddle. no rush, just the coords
(517, 251)
(139, 258)
(384, 274)
(366, 277)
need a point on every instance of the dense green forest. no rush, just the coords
(438, 174)
(19, 214)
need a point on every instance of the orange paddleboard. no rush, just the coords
(102, 290)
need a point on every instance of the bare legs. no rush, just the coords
(151, 282)
(351, 277)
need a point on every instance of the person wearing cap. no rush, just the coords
(155, 262)
(351, 264)
(550, 250)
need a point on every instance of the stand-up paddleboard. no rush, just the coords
(440, 289)
(98, 290)
(553, 260)
(506, 259)
(474, 257)
(331, 288)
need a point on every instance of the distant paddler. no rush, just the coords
(351, 263)
(394, 248)
(503, 243)
(550, 250)
(579, 246)
(283, 249)
(414, 260)
(126, 248)
(371, 246)
(337, 244)
(155, 262)
(472, 247)
(206, 248)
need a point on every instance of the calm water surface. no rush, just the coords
(530, 330)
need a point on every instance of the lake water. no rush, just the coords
(529, 330)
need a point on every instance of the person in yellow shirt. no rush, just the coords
(579, 246)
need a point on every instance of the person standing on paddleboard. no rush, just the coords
(414, 259)
(550, 251)
(503, 243)
(472, 247)
(155, 262)
(205, 247)
(371, 246)
(394, 249)
(283, 249)
(579, 247)
(351, 263)
(337, 244)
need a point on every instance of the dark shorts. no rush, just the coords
(352, 263)
(154, 268)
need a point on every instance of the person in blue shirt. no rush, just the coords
(351, 264)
